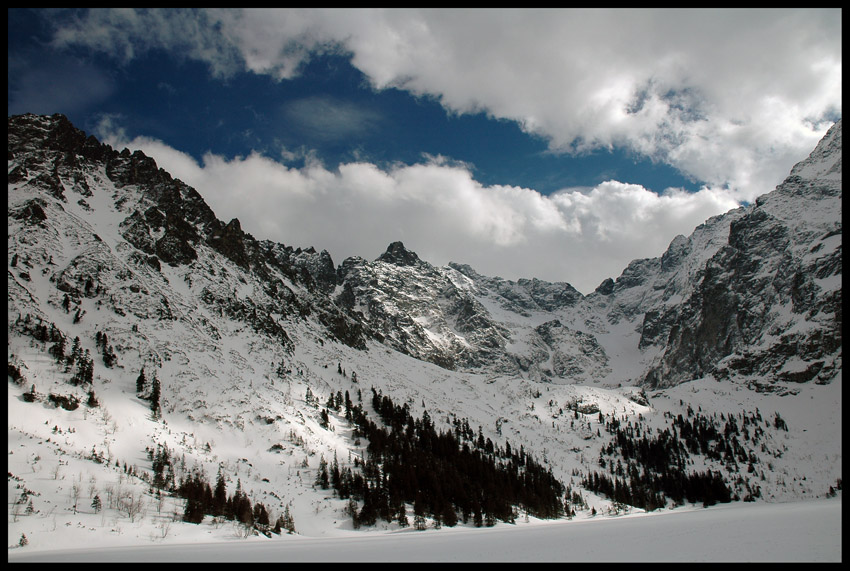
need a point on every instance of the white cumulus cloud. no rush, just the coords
(731, 97)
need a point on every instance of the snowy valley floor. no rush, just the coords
(739, 532)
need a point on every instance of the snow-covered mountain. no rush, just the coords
(119, 271)
(755, 293)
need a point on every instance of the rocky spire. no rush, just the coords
(399, 255)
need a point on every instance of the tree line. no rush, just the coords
(447, 475)
(202, 499)
(646, 469)
(73, 359)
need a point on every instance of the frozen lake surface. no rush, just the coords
(804, 531)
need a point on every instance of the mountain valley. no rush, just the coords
(153, 347)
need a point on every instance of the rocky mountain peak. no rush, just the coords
(825, 160)
(30, 132)
(399, 255)
(770, 291)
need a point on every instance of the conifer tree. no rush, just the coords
(76, 353)
(419, 513)
(288, 520)
(449, 515)
(242, 511)
(194, 512)
(335, 474)
(220, 495)
(261, 515)
(322, 477)
(401, 510)
(354, 512)
(141, 382)
(477, 516)
(154, 398)
(58, 350)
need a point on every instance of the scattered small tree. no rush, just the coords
(16, 510)
(164, 526)
(288, 521)
(75, 495)
(131, 505)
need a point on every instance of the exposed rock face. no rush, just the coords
(419, 309)
(230, 241)
(772, 294)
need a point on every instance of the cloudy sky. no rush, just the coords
(558, 144)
